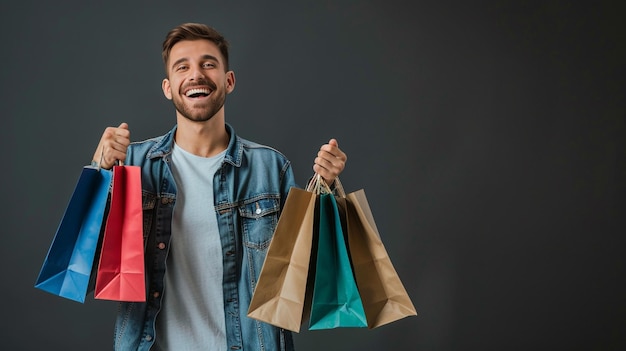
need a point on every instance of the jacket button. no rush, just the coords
(155, 294)
(161, 246)
(148, 337)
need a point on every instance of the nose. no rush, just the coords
(196, 74)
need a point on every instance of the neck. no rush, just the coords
(204, 139)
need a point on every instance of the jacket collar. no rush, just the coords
(164, 144)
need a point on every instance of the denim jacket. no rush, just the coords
(249, 192)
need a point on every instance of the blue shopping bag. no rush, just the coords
(67, 267)
(336, 300)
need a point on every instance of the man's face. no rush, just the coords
(197, 82)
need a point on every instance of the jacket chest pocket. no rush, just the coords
(258, 221)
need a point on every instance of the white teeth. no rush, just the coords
(197, 91)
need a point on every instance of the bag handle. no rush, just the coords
(318, 185)
(339, 188)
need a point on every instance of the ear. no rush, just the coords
(230, 82)
(167, 88)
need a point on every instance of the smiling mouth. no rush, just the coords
(198, 92)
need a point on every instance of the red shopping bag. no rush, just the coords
(121, 272)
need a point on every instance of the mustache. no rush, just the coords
(203, 82)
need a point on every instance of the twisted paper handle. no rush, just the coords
(318, 185)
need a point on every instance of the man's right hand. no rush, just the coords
(112, 146)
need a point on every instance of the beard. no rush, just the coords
(204, 110)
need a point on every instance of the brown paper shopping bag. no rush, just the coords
(279, 296)
(385, 299)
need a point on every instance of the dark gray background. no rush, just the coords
(489, 139)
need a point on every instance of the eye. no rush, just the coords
(208, 65)
(180, 68)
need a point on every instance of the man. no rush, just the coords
(211, 202)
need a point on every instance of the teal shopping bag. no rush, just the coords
(336, 301)
(67, 267)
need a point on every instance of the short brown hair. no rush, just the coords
(194, 31)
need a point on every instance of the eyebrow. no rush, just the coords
(204, 58)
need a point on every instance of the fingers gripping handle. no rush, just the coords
(99, 163)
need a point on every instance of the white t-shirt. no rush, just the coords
(192, 312)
